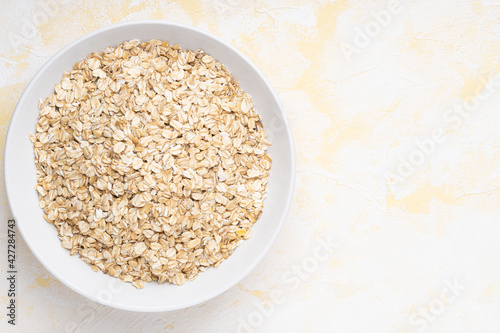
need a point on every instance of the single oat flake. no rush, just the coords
(151, 162)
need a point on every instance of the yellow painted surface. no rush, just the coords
(43, 280)
(418, 201)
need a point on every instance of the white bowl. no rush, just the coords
(41, 237)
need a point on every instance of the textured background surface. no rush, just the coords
(362, 109)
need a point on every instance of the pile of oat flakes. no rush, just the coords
(151, 162)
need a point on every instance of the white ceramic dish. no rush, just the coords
(41, 237)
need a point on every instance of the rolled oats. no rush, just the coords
(151, 162)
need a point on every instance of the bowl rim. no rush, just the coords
(9, 185)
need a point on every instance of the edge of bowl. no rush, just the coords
(243, 274)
